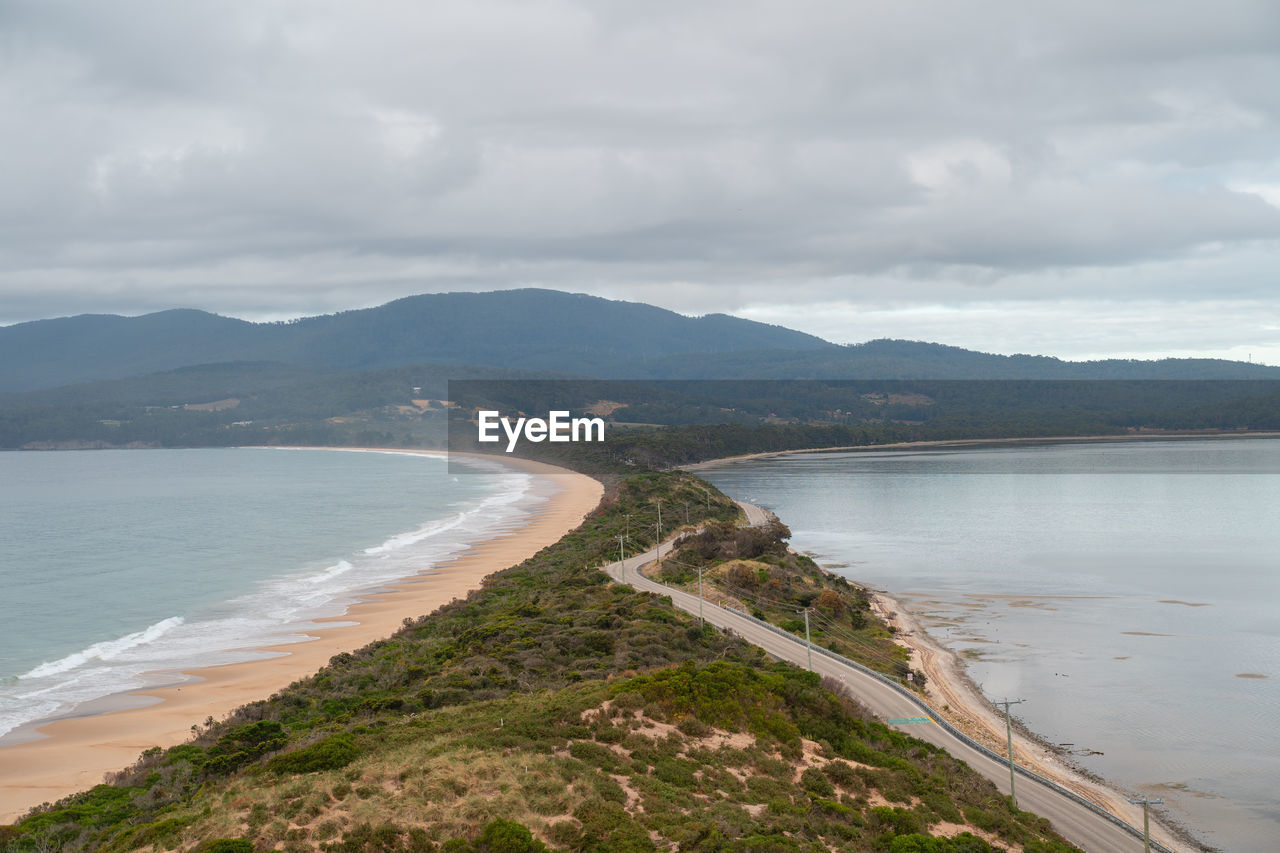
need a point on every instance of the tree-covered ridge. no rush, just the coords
(522, 329)
(526, 329)
(549, 701)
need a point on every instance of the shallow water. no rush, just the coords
(119, 567)
(1128, 592)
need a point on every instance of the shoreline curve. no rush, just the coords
(951, 690)
(75, 753)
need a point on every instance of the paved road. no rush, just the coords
(1083, 827)
(756, 516)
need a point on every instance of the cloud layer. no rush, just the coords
(268, 158)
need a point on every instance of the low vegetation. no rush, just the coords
(751, 569)
(550, 710)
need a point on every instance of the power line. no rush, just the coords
(1008, 730)
(872, 651)
(622, 556)
(1146, 819)
(808, 644)
(848, 636)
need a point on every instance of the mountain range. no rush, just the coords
(530, 329)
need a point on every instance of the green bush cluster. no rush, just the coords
(755, 566)
(332, 753)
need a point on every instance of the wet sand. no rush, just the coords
(74, 754)
(953, 693)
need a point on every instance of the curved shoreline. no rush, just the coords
(973, 443)
(954, 694)
(949, 687)
(75, 753)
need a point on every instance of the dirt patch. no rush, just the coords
(215, 406)
(633, 796)
(946, 829)
(604, 408)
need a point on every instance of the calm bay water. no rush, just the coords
(118, 568)
(1129, 592)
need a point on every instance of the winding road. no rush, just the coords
(1075, 821)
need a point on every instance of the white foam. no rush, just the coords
(106, 650)
(278, 611)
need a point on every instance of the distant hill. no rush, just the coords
(531, 329)
(896, 359)
(539, 330)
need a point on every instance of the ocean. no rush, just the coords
(1127, 591)
(120, 568)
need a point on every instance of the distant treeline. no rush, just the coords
(654, 424)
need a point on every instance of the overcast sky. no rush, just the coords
(1076, 178)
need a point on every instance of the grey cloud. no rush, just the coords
(274, 158)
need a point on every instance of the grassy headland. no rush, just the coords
(549, 708)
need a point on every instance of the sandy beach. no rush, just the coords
(952, 692)
(75, 754)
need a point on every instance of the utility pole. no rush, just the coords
(1146, 819)
(808, 644)
(1008, 730)
(686, 512)
(699, 595)
(659, 503)
(622, 556)
(627, 530)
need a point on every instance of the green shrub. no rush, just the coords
(597, 755)
(240, 745)
(563, 833)
(675, 771)
(384, 838)
(842, 773)
(101, 805)
(608, 789)
(693, 727)
(507, 836)
(332, 753)
(918, 843)
(606, 733)
(898, 820)
(225, 845)
(815, 782)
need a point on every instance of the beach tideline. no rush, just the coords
(76, 753)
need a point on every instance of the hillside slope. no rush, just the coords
(531, 329)
(541, 330)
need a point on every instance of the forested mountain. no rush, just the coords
(530, 329)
